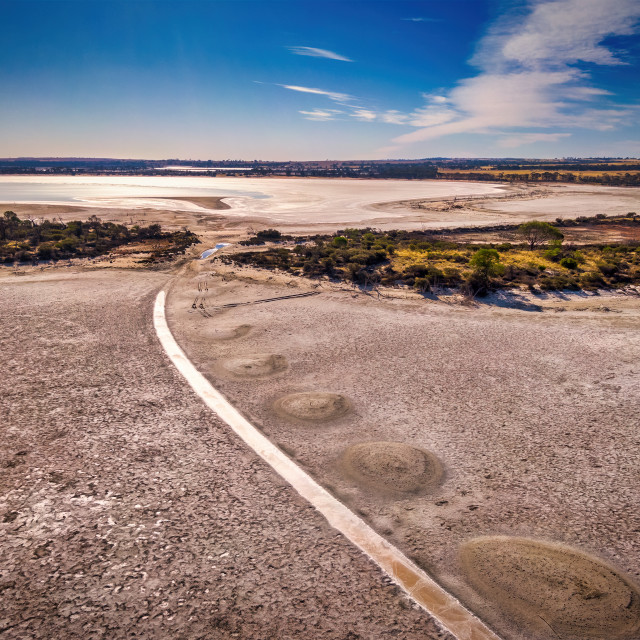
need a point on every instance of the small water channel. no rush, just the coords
(208, 252)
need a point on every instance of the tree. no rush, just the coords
(487, 262)
(8, 223)
(536, 233)
(269, 234)
(486, 265)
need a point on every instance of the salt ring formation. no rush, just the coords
(258, 365)
(313, 406)
(548, 586)
(391, 467)
(230, 333)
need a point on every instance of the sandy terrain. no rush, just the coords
(126, 507)
(518, 202)
(205, 203)
(128, 510)
(532, 413)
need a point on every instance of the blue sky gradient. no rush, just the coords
(299, 79)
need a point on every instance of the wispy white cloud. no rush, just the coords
(530, 138)
(318, 53)
(431, 115)
(436, 111)
(568, 31)
(365, 115)
(422, 19)
(434, 98)
(342, 98)
(394, 117)
(528, 75)
(321, 115)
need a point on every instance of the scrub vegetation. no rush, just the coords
(536, 257)
(32, 241)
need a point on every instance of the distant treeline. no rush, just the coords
(31, 241)
(617, 180)
(577, 166)
(609, 171)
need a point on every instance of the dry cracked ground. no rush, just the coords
(127, 510)
(496, 444)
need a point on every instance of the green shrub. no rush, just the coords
(591, 280)
(267, 234)
(487, 261)
(46, 251)
(553, 254)
(68, 244)
(607, 268)
(451, 276)
(569, 263)
(578, 256)
(557, 283)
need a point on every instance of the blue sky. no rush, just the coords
(303, 79)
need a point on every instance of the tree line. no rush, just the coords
(28, 240)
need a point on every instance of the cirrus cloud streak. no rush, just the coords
(312, 52)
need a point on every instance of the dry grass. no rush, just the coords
(520, 258)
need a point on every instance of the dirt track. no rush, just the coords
(127, 509)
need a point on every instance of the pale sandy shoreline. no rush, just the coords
(305, 205)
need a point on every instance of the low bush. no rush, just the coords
(569, 263)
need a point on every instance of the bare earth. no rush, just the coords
(532, 413)
(128, 510)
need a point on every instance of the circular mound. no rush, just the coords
(391, 467)
(231, 333)
(313, 405)
(553, 589)
(255, 366)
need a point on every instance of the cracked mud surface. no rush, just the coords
(128, 510)
(533, 415)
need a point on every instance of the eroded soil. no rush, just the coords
(128, 510)
(530, 403)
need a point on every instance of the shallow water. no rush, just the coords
(82, 189)
(278, 200)
(327, 201)
(208, 252)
